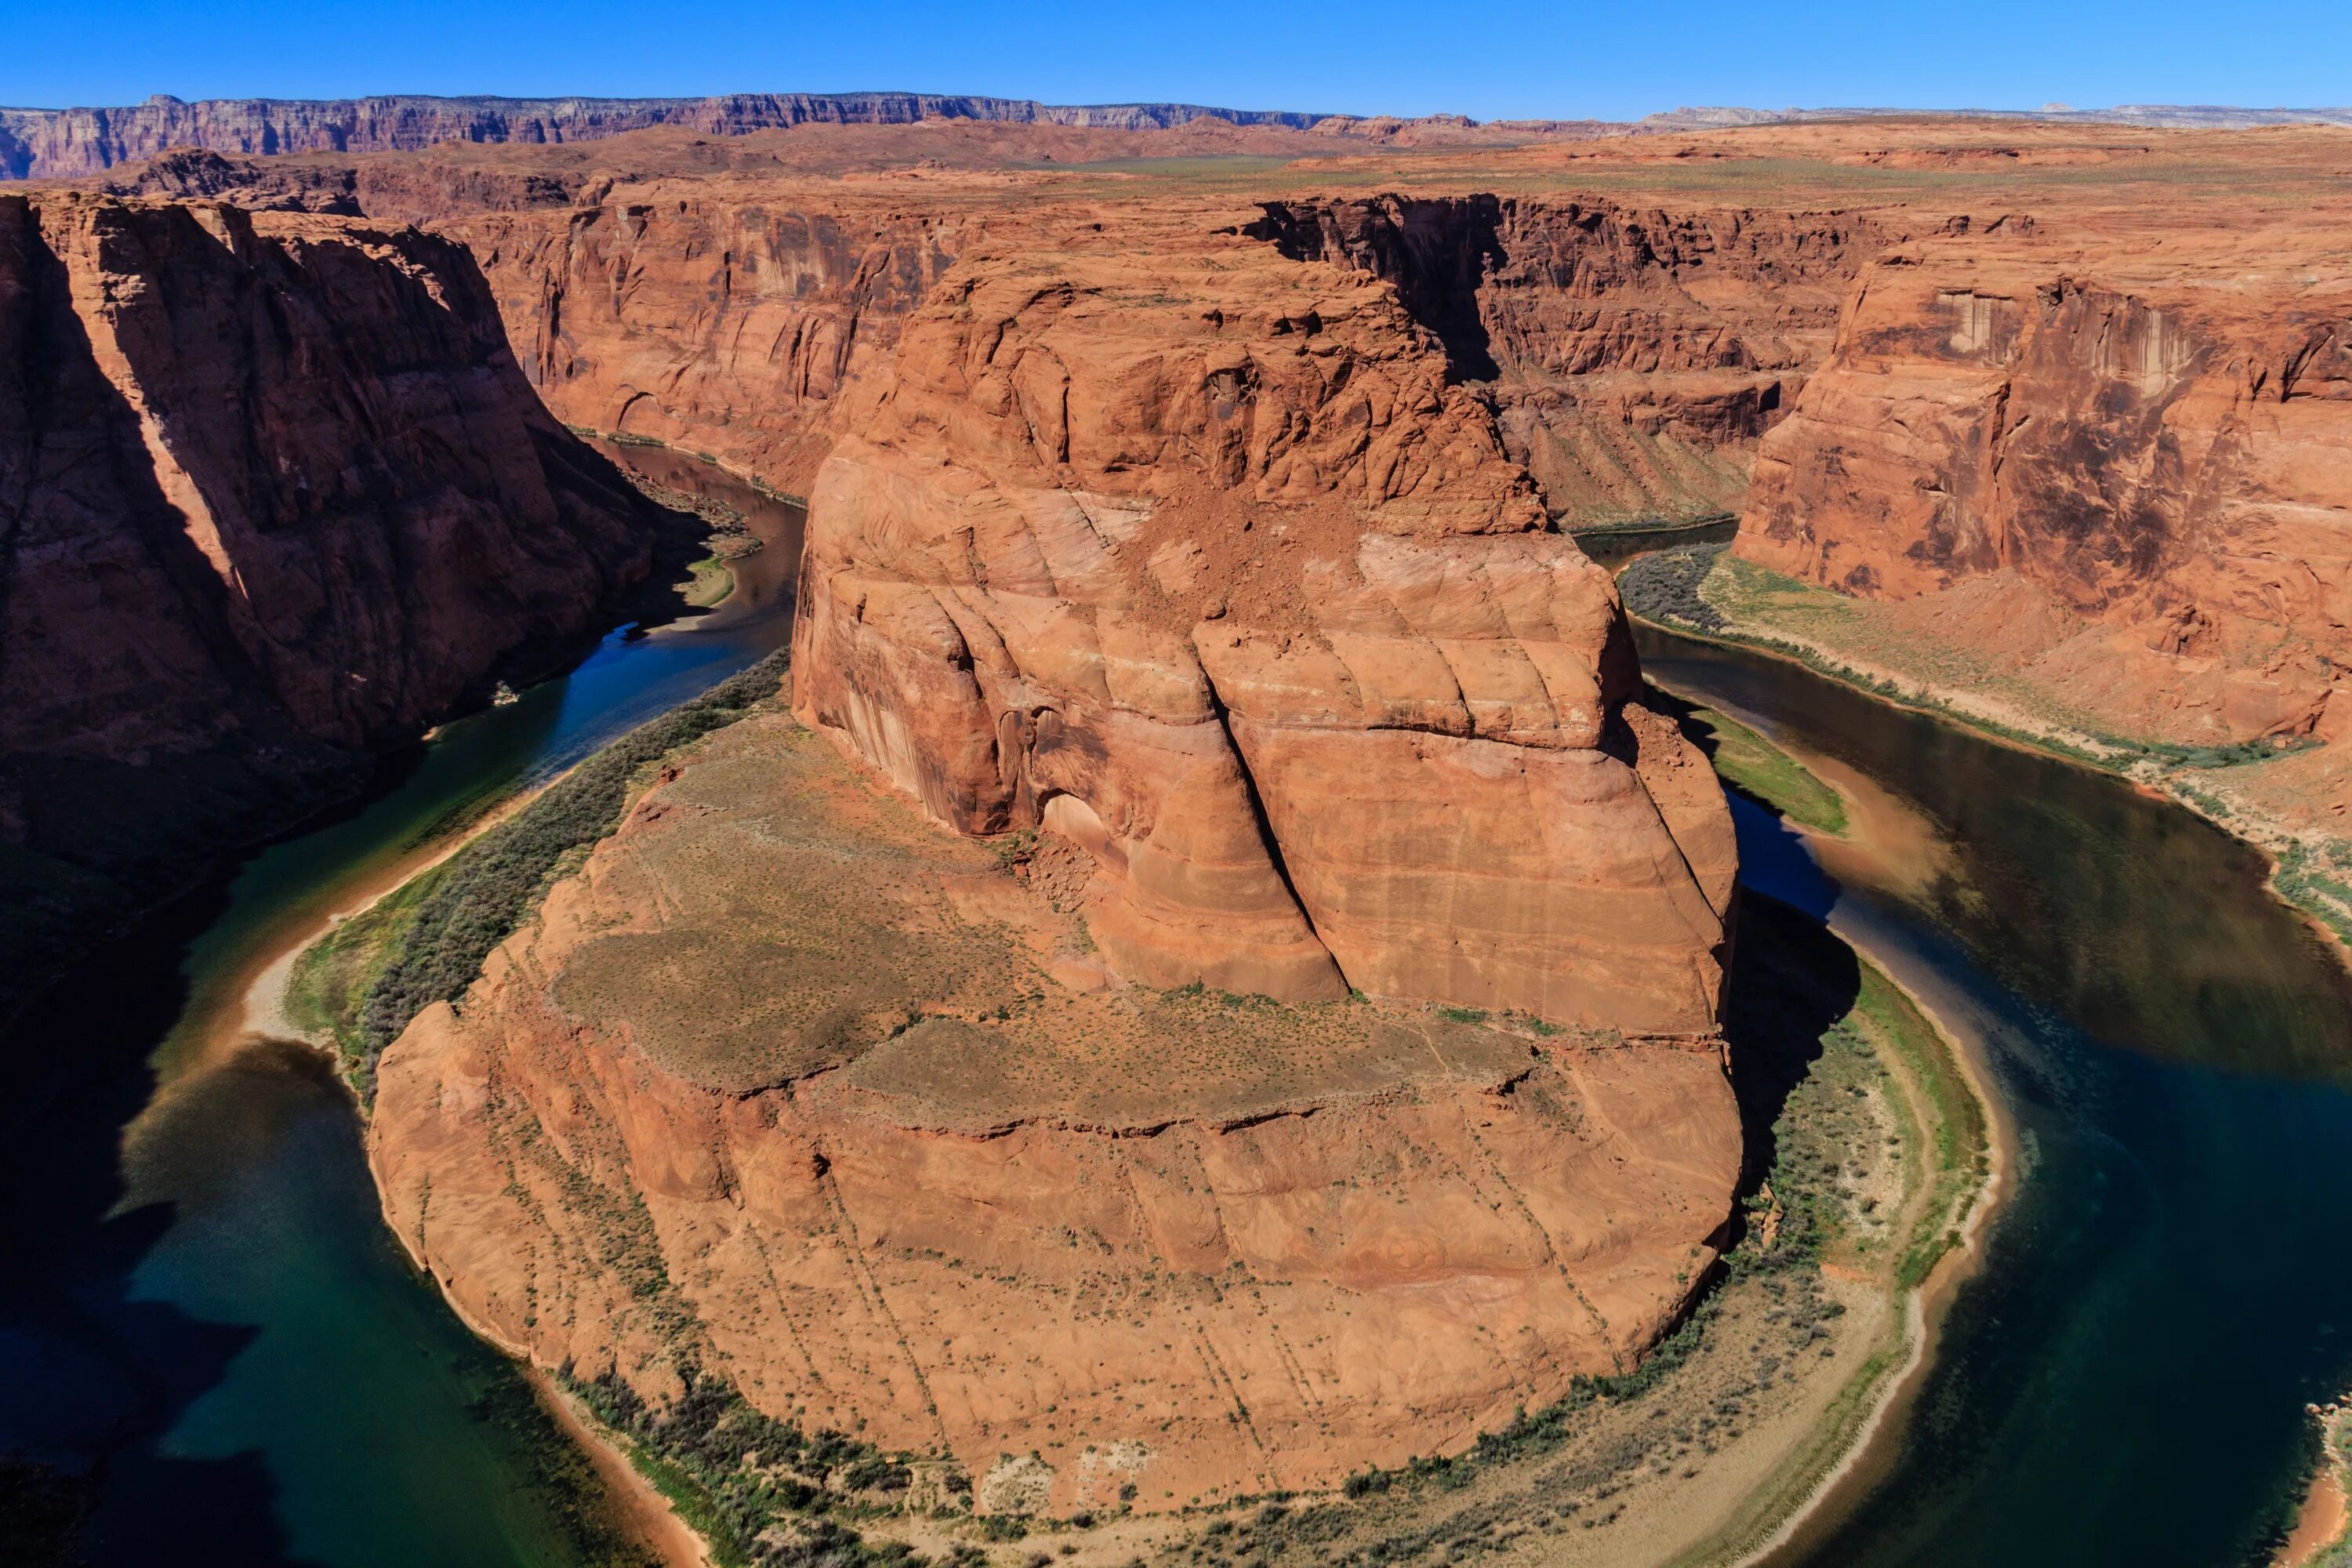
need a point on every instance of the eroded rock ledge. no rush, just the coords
(789, 1082)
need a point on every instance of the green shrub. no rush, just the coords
(490, 887)
(1665, 587)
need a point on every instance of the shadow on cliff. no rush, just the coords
(117, 793)
(94, 838)
(92, 1378)
(1437, 253)
(1790, 979)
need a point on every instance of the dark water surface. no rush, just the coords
(206, 1332)
(2124, 1383)
(203, 1321)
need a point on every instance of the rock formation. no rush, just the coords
(1635, 353)
(1193, 559)
(1094, 1247)
(2149, 442)
(274, 494)
(56, 143)
(1195, 555)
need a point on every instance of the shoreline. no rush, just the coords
(1946, 705)
(1868, 1449)
(645, 1515)
(2320, 1519)
(1865, 1450)
(2322, 1513)
(1925, 1305)
(258, 1010)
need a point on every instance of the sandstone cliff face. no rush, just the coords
(1198, 556)
(1636, 354)
(710, 319)
(2158, 449)
(273, 493)
(51, 143)
(1176, 1248)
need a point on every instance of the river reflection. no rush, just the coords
(208, 1342)
(2142, 924)
(2124, 1383)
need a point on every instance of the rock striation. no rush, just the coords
(1198, 556)
(274, 494)
(63, 144)
(2152, 450)
(1087, 1246)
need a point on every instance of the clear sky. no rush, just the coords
(1563, 60)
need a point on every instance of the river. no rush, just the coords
(2124, 1381)
(204, 1325)
(204, 1316)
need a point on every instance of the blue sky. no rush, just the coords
(1562, 60)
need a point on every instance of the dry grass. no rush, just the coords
(1146, 1061)
(806, 921)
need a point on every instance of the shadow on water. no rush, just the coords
(2123, 1380)
(2139, 923)
(96, 1376)
(211, 1349)
(1790, 979)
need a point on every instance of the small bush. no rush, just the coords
(1665, 587)
(489, 886)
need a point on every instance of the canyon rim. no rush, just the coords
(1204, 974)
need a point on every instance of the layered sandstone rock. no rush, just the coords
(274, 493)
(1196, 554)
(707, 318)
(47, 143)
(2152, 441)
(1173, 1247)
(1636, 352)
(1197, 562)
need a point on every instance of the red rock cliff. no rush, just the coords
(2145, 422)
(1635, 353)
(273, 493)
(1198, 555)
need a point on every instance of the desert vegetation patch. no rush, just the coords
(794, 919)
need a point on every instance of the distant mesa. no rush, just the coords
(53, 144)
(2173, 116)
(68, 143)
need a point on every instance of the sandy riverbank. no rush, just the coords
(1875, 1442)
(2320, 1521)
(2323, 1518)
(642, 1512)
(2249, 815)
(1888, 845)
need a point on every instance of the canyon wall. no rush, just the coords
(1635, 353)
(711, 320)
(64, 144)
(2136, 436)
(274, 494)
(1634, 356)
